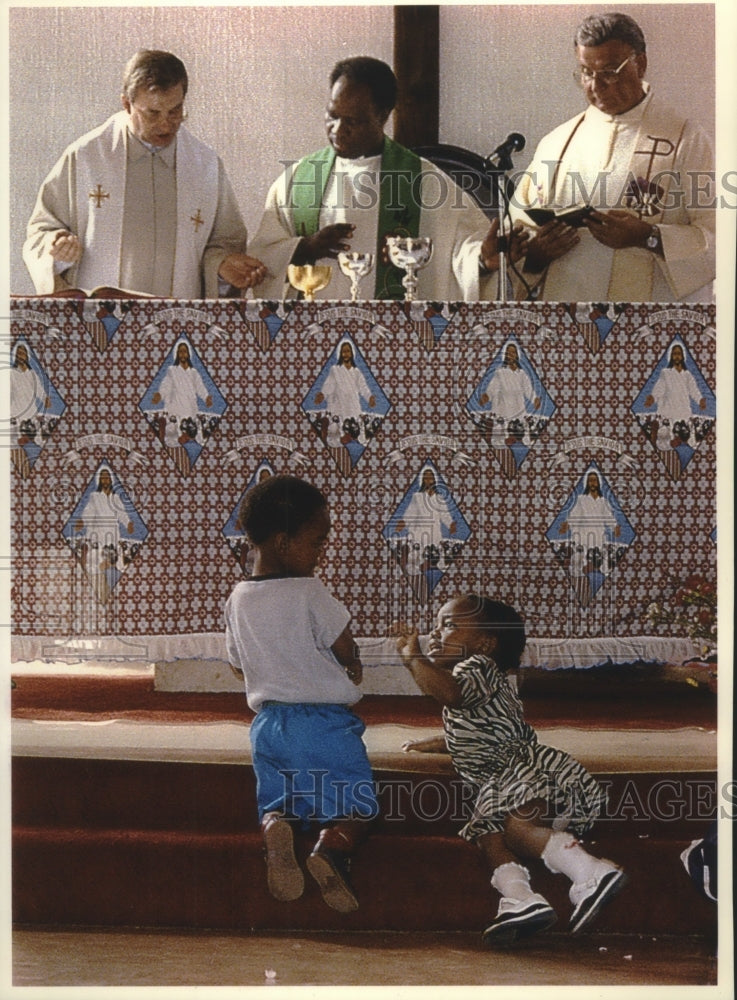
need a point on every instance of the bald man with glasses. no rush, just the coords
(140, 203)
(637, 169)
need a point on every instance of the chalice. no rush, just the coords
(309, 278)
(411, 253)
(355, 265)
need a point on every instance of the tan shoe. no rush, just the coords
(283, 874)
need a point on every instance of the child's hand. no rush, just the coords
(407, 640)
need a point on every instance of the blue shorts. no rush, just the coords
(311, 763)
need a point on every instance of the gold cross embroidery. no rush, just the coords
(98, 195)
(197, 219)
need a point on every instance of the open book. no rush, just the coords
(100, 292)
(571, 216)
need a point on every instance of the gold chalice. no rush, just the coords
(309, 278)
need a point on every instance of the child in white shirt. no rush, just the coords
(292, 641)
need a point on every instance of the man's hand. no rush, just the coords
(553, 240)
(66, 247)
(618, 229)
(326, 242)
(489, 253)
(242, 271)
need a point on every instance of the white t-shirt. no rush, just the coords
(279, 632)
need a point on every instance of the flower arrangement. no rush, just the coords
(692, 608)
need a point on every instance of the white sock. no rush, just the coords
(512, 880)
(563, 854)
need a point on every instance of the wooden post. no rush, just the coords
(417, 67)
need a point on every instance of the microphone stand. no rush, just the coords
(498, 175)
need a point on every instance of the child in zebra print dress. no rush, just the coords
(531, 800)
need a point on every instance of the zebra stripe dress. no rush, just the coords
(498, 754)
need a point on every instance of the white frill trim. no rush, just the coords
(551, 654)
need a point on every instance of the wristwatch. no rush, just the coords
(653, 240)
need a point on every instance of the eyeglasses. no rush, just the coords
(584, 76)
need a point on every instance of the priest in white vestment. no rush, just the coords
(640, 166)
(139, 203)
(363, 187)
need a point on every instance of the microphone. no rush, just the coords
(503, 153)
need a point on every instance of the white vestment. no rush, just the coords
(449, 216)
(85, 193)
(592, 159)
(104, 519)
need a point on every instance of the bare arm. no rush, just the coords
(431, 744)
(435, 681)
(345, 651)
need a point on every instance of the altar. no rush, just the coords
(560, 457)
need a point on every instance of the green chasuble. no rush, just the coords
(399, 207)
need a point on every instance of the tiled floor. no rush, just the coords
(178, 959)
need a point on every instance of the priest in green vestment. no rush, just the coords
(363, 187)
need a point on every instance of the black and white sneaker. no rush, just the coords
(517, 919)
(589, 897)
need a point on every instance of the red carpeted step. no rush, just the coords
(600, 698)
(185, 879)
(165, 844)
(87, 793)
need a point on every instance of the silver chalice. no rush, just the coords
(355, 265)
(411, 254)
